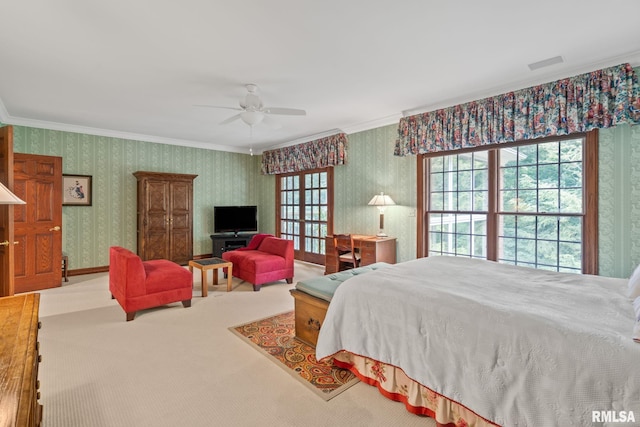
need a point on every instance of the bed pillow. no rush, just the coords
(636, 328)
(634, 283)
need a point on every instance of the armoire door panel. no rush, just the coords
(157, 222)
(181, 220)
(181, 245)
(181, 196)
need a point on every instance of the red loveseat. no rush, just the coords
(266, 259)
(138, 285)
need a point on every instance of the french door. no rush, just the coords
(305, 212)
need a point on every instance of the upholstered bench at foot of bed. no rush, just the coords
(312, 298)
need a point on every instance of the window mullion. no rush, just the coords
(493, 165)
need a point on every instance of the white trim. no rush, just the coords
(373, 124)
(308, 138)
(4, 114)
(359, 127)
(43, 124)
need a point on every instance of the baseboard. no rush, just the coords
(105, 269)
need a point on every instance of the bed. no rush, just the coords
(477, 343)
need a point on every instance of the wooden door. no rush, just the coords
(6, 214)
(38, 224)
(156, 219)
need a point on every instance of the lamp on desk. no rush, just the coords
(380, 201)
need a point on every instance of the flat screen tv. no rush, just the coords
(235, 219)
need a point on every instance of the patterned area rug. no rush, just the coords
(275, 338)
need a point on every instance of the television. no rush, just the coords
(235, 219)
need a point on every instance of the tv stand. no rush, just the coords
(224, 242)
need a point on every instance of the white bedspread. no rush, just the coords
(518, 346)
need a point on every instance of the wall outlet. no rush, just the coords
(412, 213)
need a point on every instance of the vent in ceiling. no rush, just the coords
(546, 62)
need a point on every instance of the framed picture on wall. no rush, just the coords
(76, 190)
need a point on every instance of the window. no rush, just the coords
(523, 204)
(541, 205)
(459, 201)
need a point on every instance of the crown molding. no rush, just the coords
(307, 138)
(373, 124)
(358, 127)
(4, 114)
(42, 124)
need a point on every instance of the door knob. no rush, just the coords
(56, 228)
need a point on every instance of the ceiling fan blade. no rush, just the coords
(285, 111)
(230, 119)
(273, 124)
(218, 106)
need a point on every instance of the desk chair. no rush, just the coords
(348, 256)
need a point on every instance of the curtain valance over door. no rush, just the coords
(320, 153)
(599, 99)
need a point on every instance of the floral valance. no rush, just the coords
(599, 99)
(320, 153)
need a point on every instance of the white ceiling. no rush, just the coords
(136, 68)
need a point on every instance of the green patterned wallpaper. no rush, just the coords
(372, 168)
(619, 201)
(230, 178)
(223, 179)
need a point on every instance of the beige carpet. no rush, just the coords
(175, 366)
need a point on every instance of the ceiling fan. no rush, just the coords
(253, 112)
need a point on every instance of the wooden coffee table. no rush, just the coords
(212, 264)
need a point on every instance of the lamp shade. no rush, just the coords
(381, 200)
(8, 198)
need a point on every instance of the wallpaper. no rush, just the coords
(231, 178)
(372, 168)
(88, 231)
(619, 201)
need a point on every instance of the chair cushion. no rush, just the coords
(257, 262)
(324, 287)
(165, 275)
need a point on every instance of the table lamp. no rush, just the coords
(380, 201)
(8, 198)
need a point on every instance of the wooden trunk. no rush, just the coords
(310, 313)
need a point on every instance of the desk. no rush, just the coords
(372, 249)
(19, 360)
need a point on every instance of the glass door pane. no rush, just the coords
(304, 212)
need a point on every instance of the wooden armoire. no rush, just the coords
(165, 216)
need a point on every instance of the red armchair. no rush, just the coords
(138, 285)
(270, 261)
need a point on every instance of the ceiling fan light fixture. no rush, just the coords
(252, 118)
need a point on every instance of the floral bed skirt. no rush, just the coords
(394, 384)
